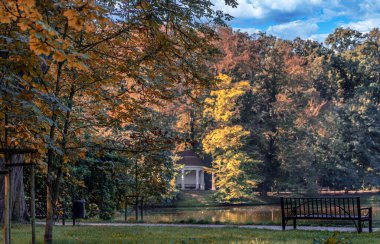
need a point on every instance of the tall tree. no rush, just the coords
(226, 140)
(78, 62)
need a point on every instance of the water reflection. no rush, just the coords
(243, 214)
(246, 214)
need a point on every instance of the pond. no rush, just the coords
(262, 214)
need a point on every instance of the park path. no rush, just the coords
(259, 227)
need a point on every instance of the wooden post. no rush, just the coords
(10, 202)
(64, 216)
(137, 208)
(10, 205)
(7, 208)
(283, 223)
(32, 205)
(141, 209)
(125, 210)
(73, 212)
(8, 190)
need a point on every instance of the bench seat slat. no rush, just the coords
(325, 216)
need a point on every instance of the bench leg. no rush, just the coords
(359, 226)
(370, 220)
(283, 224)
(294, 224)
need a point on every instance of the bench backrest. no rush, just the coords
(329, 207)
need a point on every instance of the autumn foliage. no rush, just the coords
(90, 75)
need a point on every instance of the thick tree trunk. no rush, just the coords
(18, 203)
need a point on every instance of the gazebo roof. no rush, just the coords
(190, 158)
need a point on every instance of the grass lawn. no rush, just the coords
(86, 234)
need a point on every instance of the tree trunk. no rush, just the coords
(18, 203)
(213, 182)
(53, 185)
(48, 237)
(264, 190)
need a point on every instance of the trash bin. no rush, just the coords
(79, 209)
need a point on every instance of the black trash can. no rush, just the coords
(79, 210)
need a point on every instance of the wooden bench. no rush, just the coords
(326, 208)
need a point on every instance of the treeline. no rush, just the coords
(107, 92)
(294, 115)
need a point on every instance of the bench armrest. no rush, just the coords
(368, 212)
(366, 208)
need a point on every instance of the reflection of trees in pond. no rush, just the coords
(250, 214)
(253, 214)
(246, 214)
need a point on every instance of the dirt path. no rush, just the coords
(260, 227)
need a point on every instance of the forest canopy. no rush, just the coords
(309, 111)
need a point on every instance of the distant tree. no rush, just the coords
(226, 140)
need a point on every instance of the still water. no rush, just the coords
(242, 214)
(236, 214)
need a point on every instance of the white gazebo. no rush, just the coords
(192, 173)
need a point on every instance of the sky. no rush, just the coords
(308, 19)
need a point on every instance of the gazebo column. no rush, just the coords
(197, 179)
(183, 179)
(202, 180)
